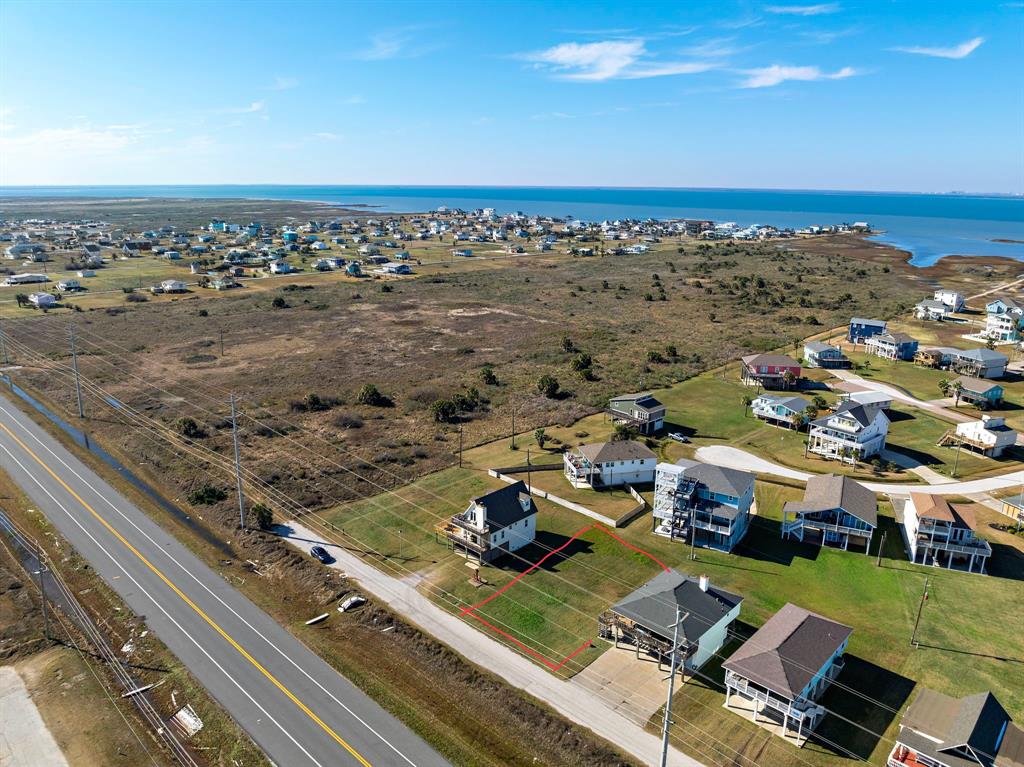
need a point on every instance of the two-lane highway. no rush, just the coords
(293, 704)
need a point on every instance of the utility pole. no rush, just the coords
(920, 608)
(238, 463)
(513, 427)
(881, 545)
(460, 444)
(78, 380)
(671, 688)
(3, 345)
(42, 590)
(529, 474)
(956, 460)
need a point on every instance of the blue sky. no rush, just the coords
(917, 96)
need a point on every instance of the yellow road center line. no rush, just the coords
(302, 706)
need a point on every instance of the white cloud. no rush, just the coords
(804, 10)
(766, 77)
(283, 83)
(253, 108)
(961, 51)
(609, 60)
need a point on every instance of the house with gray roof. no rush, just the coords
(782, 670)
(818, 354)
(930, 309)
(642, 411)
(606, 464)
(980, 363)
(781, 410)
(979, 391)
(702, 504)
(938, 730)
(862, 329)
(851, 433)
(494, 524)
(646, 618)
(892, 346)
(835, 511)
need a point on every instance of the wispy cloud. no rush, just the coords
(283, 84)
(354, 99)
(766, 77)
(714, 48)
(804, 10)
(961, 51)
(398, 43)
(253, 108)
(328, 136)
(609, 60)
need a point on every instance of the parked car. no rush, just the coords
(678, 436)
(321, 553)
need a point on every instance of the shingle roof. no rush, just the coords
(642, 400)
(981, 355)
(653, 605)
(852, 409)
(862, 321)
(621, 450)
(773, 360)
(504, 505)
(1011, 751)
(796, 404)
(831, 491)
(819, 346)
(787, 651)
(976, 385)
(718, 479)
(936, 507)
(975, 721)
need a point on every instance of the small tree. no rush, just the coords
(623, 433)
(487, 376)
(444, 410)
(567, 345)
(262, 516)
(548, 386)
(656, 357)
(671, 351)
(541, 438)
(944, 385)
(810, 412)
(279, 303)
(957, 388)
(819, 402)
(188, 427)
(581, 361)
(370, 395)
(747, 402)
(990, 343)
(788, 378)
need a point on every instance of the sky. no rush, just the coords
(889, 96)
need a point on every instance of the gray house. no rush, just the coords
(818, 354)
(641, 411)
(645, 618)
(835, 510)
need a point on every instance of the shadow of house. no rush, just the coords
(895, 416)
(764, 542)
(1006, 562)
(921, 457)
(671, 427)
(546, 552)
(867, 695)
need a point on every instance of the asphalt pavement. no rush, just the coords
(295, 706)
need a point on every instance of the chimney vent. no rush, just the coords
(704, 582)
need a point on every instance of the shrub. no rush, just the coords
(188, 427)
(135, 298)
(348, 421)
(487, 376)
(279, 303)
(206, 495)
(444, 410)
(548, 386)
(262, 516)
(371, 395)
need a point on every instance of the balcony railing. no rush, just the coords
(977, 547)
(798, 709)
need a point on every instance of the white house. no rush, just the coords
(606, 464)
(280, 267)
(937, 533)
(950, 298)
(932, 310)
(173, 286)
(646, 618)
(852, 433)
(494, 524)
(24, 279)
(989, 436)
(42, 300)
(871, 400)
(68, 285)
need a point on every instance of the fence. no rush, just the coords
(33, 560)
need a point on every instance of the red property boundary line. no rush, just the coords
(551, 664)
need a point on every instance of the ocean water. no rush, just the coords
(928, 226)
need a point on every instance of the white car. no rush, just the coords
(678, 436)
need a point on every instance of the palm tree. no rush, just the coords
(788, 378)
(810, 412)
(957, 388)
(944, 386)
(747, 402)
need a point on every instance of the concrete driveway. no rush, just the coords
(634, 688)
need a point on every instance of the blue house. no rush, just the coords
(835, 511)
(861, 329)
(710, 503)
(290, 237)
(783, 669)
(980, 392)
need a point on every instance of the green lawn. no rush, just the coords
(920, 382)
